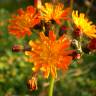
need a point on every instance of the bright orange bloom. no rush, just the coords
(54, 12)
(22, 23)
(49, 54)
(84, 24)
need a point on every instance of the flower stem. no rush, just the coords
(71, 4)
(51, 87)
(89, 7)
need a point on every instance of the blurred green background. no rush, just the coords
(79, 80)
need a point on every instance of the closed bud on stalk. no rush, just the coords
(17, 48)
(75, 55)
(85, 49)
(63, 30)
(92, 44)
(77, 32)
(32, 84)
(47, 28)
(39, 26)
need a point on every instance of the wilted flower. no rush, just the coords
(49, 54)
(83, 24)
(54, 13)
(22, 23)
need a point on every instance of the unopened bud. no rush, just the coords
(75, 55)
(17, 48)
(32, 84)
(47, 28)
(92, 44)
(85, 49)
(63, 30)
(53, 21)
(39, 26)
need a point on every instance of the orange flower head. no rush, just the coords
(49, 54)
(22, 23)
(55, 13)
(84, 24)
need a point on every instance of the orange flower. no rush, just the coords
(49, 54)
(52, 12)
(83, 24)
(22, 23)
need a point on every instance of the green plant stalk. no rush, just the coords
(71, 4)
(51, 86)
(68, 22)
(89, 7)
(79, 44)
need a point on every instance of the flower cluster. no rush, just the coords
(52, 52)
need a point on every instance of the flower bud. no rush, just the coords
(92, 44)
(53, 21)
(85, 49)
(17, 48)
(77, 32)
(63, 30)
(32, 84)
(75, 55)
(47, 28)
(39, 26)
